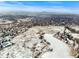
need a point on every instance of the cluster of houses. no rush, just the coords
(9, 31)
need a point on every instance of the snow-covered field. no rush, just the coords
(30, 37)
(60, 49)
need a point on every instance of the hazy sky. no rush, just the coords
(40, 6)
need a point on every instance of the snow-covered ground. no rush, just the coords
(30, 37)
(60, 49)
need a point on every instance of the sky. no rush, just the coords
(40, 6)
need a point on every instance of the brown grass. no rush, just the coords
(74, 53)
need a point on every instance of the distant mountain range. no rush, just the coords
(29, 13)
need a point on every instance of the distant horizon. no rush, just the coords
(70, 7)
